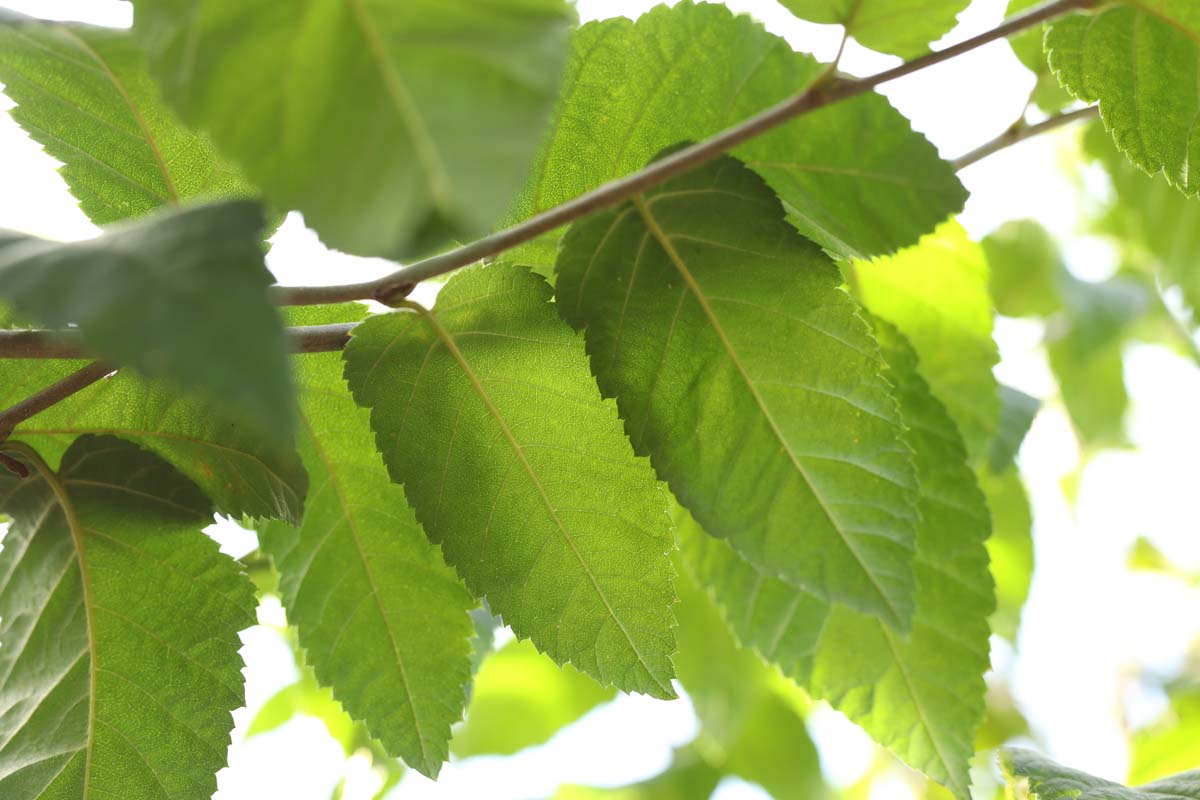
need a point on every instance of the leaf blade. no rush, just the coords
(152, 617)
(584, 527)
(420, 77)
(165, 295)
(358, 571)
(711, 384)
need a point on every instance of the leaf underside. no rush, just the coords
(85, 94)
(382, 619)
(120, 619)
(1046, 780)
(723, 335)
(854, 177)
(921, 695)
(485, 410)
(1141, 62)
(903, 28)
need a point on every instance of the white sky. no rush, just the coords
(1090, 626)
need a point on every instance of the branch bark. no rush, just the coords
(830, 89)
(1019, 132)
(75, 382)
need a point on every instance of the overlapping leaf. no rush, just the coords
(164, 295)
(383, 620)
(520, 698)
(85, 94)
(243, 474)
(120, 622)
(901, 27)
(724, 336)
(921, 695)
(854, 177)
(1039, 778)
(1048, 93)
(485, 410)
(936, 293)
(366, 115)
(1141, 61)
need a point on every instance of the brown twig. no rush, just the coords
(831, 89)
(1019, 132)
(75, 382)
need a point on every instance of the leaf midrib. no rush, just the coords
(405, 105)
(134, 111)
(452, 347)
(352, 524)
(668, 247)
(77, 534)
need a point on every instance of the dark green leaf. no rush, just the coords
(1039, 778)
(120, 620)
(367, 115)
(85, 94)
(383, 620)
(1141, 62)
(854, 177)
(179, 295)
(922, 696)
(485, 410)
(723, 335)
(901, 27)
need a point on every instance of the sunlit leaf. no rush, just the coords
(723, 334)
(120, 619)
(85, 94)
(902, 27)
(1140, 61)
(485, 410)
(854, 177)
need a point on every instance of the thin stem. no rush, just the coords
(1019, 132)
(832, 88)
(55, 393)
(50, 344)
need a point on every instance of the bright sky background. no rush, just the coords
(1091, 627)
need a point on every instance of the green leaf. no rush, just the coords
(1156, 226)
(521, 699)
(922, 696)
(242, 473)
(1024, 269)
(120, 623)
(485, 410)
(901, 27)
(366, 115)
(1141, 62)
(180, 295)
(937, 295)
(384, 622)
(1172, 744)
(749, 726)
(854, 177)
(85, 94)
(1042, 779)
(1017, 412)
(723, 334)
(1010, 547)
(1092, 383)
(306, 698)
(1047, 93)
(689, 777)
